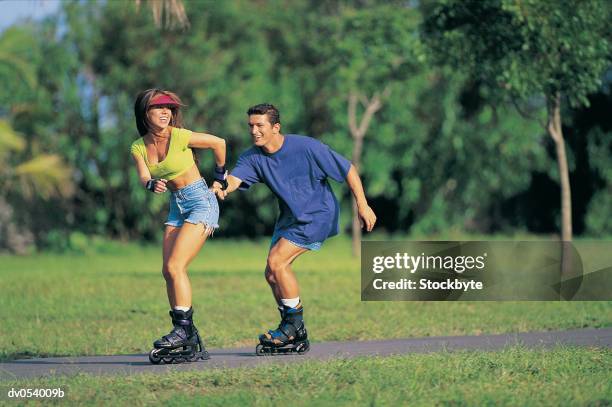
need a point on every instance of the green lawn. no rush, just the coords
(111, 300)
(513, 377)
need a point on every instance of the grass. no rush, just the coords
(112, 301)
(562, 376)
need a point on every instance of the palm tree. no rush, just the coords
(42, 175)
(172, 12)
(10, 57)
(28, 177)
(39, 176)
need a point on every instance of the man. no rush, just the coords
(296, 169)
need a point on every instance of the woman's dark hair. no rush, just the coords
(141, 107)
(269, 110)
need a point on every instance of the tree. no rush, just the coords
(430, 160)
(27, 174)
(216, 67)
(169, 13)
(524, 49)
(366, 53)
(14, 61)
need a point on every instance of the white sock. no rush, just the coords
(180, 308)
(291, 302)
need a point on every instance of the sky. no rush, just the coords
(13, 11)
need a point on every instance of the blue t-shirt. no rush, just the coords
(297, 174)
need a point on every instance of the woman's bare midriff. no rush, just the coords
(188, 177)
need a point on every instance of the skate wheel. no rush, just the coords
(154, 358)
(302, 348)
(259, 350)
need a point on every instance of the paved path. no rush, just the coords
(241, 357)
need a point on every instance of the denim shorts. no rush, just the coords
(309, 246)
(194, 203)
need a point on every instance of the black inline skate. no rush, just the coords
(289, 337)
(182, 344)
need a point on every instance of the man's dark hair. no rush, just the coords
(269, 110)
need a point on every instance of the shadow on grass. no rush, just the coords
(11, 357)
(39, 362)
(29, 358)
(199, 272)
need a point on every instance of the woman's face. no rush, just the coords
(160, 116)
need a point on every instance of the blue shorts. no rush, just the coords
(194, 203)
(309, 246)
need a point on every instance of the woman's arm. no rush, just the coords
(217, 144)
(153, 185)
(366, 214)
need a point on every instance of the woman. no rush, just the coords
(164, 160)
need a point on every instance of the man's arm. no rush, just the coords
(233, 184)
(366, 214)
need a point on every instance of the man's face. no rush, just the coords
(262, 131)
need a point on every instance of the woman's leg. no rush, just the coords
(170, 235)
(181, 245)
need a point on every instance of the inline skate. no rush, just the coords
(289, 337)
(182, 344)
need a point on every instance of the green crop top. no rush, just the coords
(178, 160)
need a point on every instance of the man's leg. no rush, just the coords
(275, 290)
(286, 292)
(279, 274)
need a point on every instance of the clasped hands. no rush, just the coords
(217, 189)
